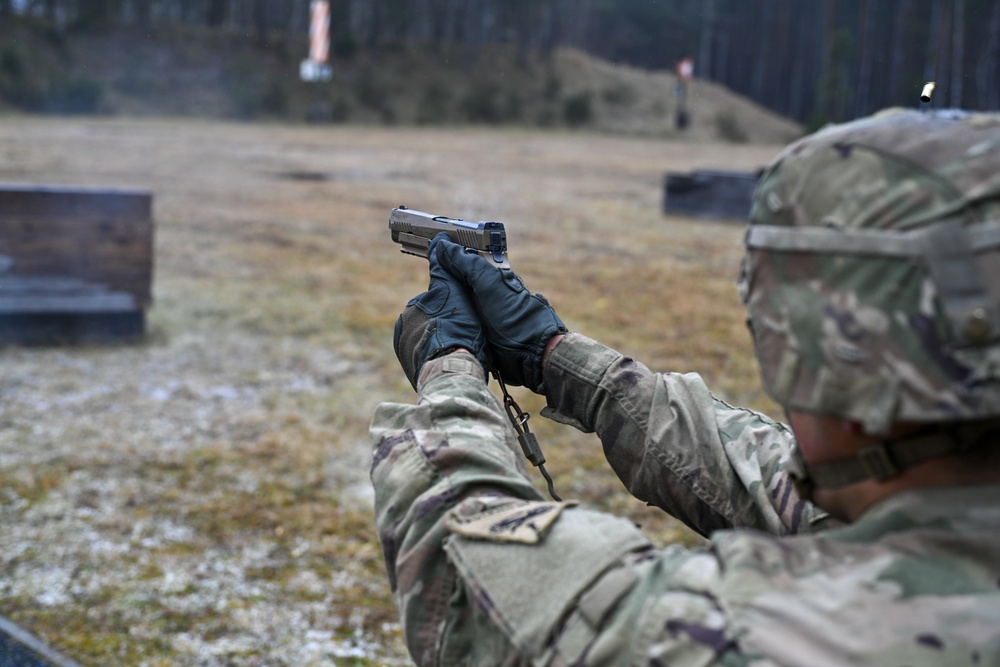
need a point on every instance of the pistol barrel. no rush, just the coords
(413, 230)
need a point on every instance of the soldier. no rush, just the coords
(865, 532)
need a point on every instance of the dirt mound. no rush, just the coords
(635, 101)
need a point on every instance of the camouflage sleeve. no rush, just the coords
(675, 445)
(485, 571)
(454, 444)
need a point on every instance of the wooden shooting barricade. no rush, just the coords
(710, 194)
(20, 648)
(75, 264)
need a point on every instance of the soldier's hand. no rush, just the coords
(517, 323)
(438, 321)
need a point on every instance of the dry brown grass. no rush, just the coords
(202, 498)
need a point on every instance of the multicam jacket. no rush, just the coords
(486, 571)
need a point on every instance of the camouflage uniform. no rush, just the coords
(914, 582)
(487, 571)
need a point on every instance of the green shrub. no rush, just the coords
(387, 114)
(274, 101)
(433, 106)
(75, 96)
(728, 127)
(138, 82)
(514, 108)
(578, 109)
(481, 103)
(341, 110)
(371, 92)
(243, 81)
(16, 88)
(26, 85)
(553, 86)
(11, 64)
(546, 116)
(344, 44)
(620, 94)
(817, 121)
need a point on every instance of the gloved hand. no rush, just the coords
(517, 323)
(437, 322)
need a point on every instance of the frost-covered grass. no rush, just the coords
(202, 498)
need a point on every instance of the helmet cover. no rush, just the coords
(872, 271)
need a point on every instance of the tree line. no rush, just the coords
(838, 59)
(812, 60)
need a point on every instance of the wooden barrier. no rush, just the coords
(20, 648)
(75, 264)
(717, 195)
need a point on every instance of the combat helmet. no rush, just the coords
(872, 271)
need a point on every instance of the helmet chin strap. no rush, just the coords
(888, 458)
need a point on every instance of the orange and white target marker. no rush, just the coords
(319, 31)
(316, 67)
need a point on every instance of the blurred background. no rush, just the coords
(196, 492)
(491, 61)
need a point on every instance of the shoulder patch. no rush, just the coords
(519, 521)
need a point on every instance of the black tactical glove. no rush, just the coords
(437, 321)
(518, 324)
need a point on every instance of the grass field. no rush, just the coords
(202, 498)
